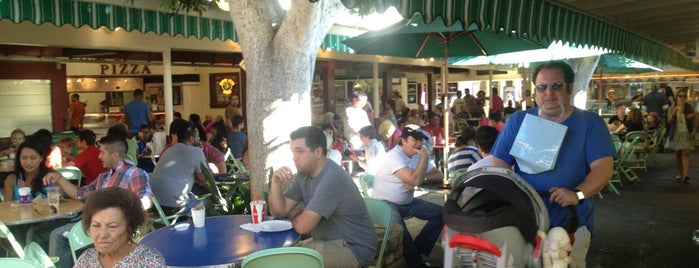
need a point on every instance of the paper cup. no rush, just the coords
(257, 209)
(198, 216)
(24, 193)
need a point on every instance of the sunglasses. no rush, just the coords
(557, 86)
(681, 96)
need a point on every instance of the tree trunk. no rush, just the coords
(280, 51)
(584, 69)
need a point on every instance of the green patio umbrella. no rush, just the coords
(414, 39)
(612, 63)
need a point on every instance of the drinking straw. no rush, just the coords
(254, 192)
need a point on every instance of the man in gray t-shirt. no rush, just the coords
(334, 212)
(178, 169)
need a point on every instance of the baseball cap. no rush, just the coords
(640, 90)
(611, 91)
(414, 131)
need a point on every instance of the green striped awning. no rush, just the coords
(96, 15)
(541, 21)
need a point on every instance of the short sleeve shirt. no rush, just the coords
(334, 196)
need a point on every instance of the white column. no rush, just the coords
(167, 87)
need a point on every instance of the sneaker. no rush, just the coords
(678, 178)
(686, 179)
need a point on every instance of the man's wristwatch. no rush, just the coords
(580, 195)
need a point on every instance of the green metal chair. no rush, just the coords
(78, 239)
(235, 166)
(628, 149)
(638, 161)
(5, 233)
(71, 173)
(289, 257)
(161, 217)
(654, 139)
(17, 263)
(616, 175)
(381, 214)
(366, 182)
(34, 253)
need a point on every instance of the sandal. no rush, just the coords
(678, 178)
(686, 179)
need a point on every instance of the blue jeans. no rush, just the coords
(425, 240)
(58, 245)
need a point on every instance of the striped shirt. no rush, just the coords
(463, 158)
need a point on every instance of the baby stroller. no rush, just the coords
(493, 219)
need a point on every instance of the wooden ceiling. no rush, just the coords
(672, 22)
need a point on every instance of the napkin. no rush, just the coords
(251, 227)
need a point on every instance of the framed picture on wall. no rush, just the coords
(412, 88)
(412, 98)
(221, 86)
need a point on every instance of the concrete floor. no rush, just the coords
(650, 224)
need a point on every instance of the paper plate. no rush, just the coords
(274, 226)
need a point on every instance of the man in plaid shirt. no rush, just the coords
(120, 173)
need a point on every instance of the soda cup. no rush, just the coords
(257, 209)
(24, 193)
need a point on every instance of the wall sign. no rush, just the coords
(228, 82)
(120, 69)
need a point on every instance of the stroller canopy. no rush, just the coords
(493, 197)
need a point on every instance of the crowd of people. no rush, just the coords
(119, 160)
(318, 195)
(669, 121)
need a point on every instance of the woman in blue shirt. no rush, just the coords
(30, 169)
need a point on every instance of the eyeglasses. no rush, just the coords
(681, 96)
(557, 86)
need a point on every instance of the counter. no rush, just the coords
(100, 122)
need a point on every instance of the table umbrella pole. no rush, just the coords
(445, 91)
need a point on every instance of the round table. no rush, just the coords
(13, 213)
(219, 242)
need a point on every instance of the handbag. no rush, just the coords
(537, 144)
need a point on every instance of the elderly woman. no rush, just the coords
(111, 216)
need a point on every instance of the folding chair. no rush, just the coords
(652, 143)
(289, 257)
(17, 263)
(366, 182)
(71, 173)
(628, 149)
(34, 253)
(616, 175)
(5, 233)
(381, 214)
(638, 161)
(161, 217)
(78, 239)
